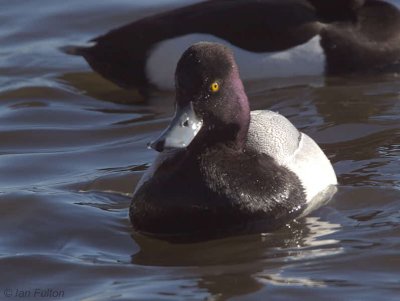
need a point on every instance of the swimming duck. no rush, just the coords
(270, 38)
(221, 169)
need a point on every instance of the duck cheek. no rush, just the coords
(181, 131)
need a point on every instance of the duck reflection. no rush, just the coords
(239, 266)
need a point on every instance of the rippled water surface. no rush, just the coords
(73, 146)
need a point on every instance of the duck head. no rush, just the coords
(211, 104)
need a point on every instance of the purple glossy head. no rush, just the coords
(211, 104)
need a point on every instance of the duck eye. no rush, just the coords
(214, 87)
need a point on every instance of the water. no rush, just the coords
(73, 146)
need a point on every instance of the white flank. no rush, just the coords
(306, 59)
(273, 134)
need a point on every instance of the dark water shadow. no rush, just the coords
(242, 265)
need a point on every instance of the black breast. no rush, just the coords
(216, 194)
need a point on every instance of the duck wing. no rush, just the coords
(274, 135)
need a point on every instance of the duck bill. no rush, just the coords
(181, 131)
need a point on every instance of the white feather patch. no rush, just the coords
(306, 59)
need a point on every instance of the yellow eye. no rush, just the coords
(214, 87)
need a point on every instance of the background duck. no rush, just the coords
(223, 171)
(270, 38)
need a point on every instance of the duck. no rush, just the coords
(270, 38)
(223, 170)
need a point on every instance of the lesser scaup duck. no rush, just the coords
(270, 38)
(221, 170)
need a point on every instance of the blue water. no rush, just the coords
(73, 146)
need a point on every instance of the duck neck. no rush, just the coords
(243, 114)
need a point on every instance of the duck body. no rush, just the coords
(223, 170)
(291, 37)
(130, 55)
(281, 174)
(220, 191)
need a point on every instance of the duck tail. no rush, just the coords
(75, 50)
